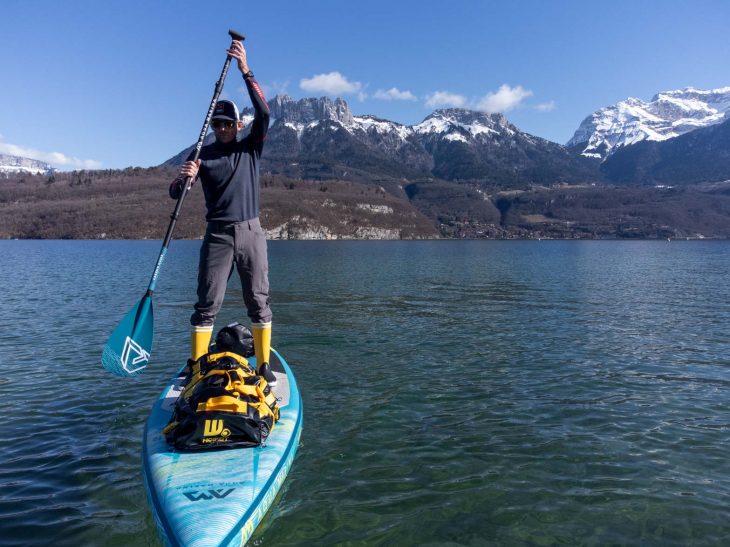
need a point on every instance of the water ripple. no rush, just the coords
(456, 393)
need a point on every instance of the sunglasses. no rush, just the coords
(217, 124)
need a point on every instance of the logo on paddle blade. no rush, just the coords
(137, 353)
(206, 496)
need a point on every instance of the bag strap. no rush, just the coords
(202, 363)
(212, 357)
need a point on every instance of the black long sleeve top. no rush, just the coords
(229, 173)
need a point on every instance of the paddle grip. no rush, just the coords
(236, 35)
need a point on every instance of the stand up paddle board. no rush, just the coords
(218, 497)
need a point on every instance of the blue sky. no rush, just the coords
(127, 83)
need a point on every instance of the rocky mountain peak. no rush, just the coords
(308, 110)
(464, 116)
(464, 125)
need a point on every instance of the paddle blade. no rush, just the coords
(127, 351)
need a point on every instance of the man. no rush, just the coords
(229, 174)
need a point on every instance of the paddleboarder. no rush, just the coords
(229, 174)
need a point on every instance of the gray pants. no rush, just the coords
(226, 244)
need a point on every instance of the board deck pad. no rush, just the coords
(218, 497)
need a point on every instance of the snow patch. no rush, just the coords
(455, 137)
(381, 209)
(382, 127)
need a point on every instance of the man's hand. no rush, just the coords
(238, 52)
(190, 169)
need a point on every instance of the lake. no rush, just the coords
(455, 392)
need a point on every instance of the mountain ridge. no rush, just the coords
(667, 115)
(320, 138)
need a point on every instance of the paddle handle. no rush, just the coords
(188, 180)
(236, 35)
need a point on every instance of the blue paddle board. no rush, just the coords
(218, 497)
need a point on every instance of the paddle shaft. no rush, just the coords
(188, 180)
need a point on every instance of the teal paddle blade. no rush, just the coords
(128, 349)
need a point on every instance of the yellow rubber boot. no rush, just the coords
(262, 347)
(261, 341)
(200, 341)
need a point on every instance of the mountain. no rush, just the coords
(702, 155)
(320, 138)
(14, 165)
(469, 145)
(668, 115)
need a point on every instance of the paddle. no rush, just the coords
(127, 351)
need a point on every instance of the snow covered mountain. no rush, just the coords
(451, 125)
(315, 138)
(14, 165)
(466, 144)
(668, 115)
(699, 156)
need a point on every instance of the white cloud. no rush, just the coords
(332, 83)
(504, 99)
(394, 94)
(57, 159)
(546, 107)
(444, 98)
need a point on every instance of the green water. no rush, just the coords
(455, 393)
